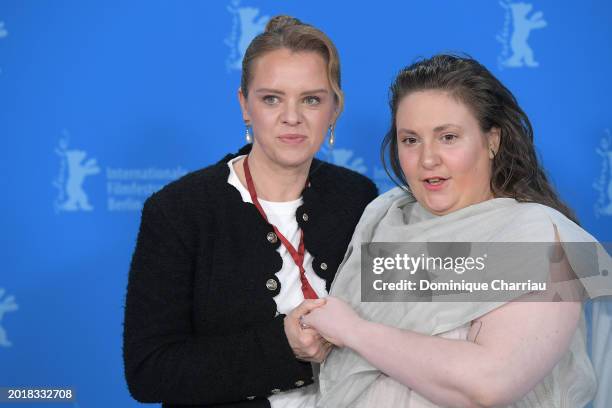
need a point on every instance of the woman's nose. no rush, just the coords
(291, 114)
(430, 157)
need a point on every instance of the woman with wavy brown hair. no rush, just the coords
(462, 150)
(229, 257)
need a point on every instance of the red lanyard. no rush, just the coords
(298, 256)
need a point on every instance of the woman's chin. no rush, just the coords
(294, 161)
(440, 212)
(437, 208)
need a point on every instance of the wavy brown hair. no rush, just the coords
(516, 170)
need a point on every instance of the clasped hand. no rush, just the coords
(306, 343)
(328, 320)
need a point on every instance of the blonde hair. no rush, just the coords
(288, 32)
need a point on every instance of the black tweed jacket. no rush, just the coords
(200, 320)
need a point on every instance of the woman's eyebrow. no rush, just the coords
(315, 91)
(278, 92)
(269, 90)
(445, 126)
(406, 131)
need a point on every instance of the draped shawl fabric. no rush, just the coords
(347, 380)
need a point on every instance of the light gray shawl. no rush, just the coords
(346, 378)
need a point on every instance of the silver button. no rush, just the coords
(252, 397)
(275, 391)
(271, 284)
(272, 238)
(305, 217)
(323, 266)
(299, 383)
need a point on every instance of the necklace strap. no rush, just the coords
(296, 255)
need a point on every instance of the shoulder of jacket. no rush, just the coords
(196, 188)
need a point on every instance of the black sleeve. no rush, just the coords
(165, 361)
(371, 192)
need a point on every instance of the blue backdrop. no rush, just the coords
(101, 103)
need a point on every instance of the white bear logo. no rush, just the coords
(245, 19)
(522, 54)
(604, 184)
(3, 33)
(344, 158)
(382, 180)
(73, 172)
(6, 305)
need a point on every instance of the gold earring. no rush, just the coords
(248, 137)
(332, 138)
(491, 153)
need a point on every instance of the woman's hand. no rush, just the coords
(335, 321)
(306, 343)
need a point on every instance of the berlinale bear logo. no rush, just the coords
(603, 185)
(3, 33)
(6, 305)
(522, 53)
(69, 183)
(343, 157)
(247, 22)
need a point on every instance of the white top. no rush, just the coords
(282, 216)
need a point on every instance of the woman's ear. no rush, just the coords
(243, 106)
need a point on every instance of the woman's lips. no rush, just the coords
(292, 138)
(435, 183)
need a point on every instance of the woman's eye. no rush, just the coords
(312, 100)
(449, 138)
(270, 99)
(409, 140)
